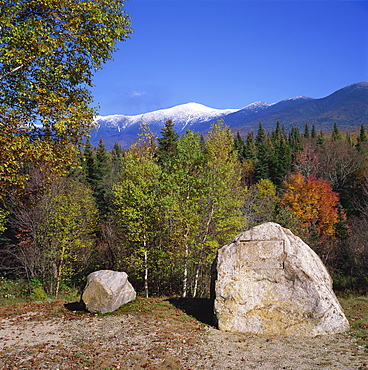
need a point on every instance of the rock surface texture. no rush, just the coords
(106, 291)
(268, 281)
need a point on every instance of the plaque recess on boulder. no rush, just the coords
(261, 254)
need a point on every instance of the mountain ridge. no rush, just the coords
(348, 107)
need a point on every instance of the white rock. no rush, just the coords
(268, 281)
(106, 291)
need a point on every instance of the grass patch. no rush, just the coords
(356, 311)
(143, 305)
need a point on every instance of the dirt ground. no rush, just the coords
(164, 337)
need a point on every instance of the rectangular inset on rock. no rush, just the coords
(261, 254)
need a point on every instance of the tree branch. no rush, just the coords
(12, 71)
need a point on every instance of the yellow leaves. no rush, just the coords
(47, 57)
(266, 187)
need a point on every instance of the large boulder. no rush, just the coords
(106, 291)
(268, 281)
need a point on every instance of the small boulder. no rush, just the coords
(106, 291)
(268, 281)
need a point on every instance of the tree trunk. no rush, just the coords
(201, 251)
(59, 272)
(185, 277)
(145, 267)
(196, 281)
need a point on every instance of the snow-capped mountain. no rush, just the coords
(348, 107)
(123, 129)
(184, 115)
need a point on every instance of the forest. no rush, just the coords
(161, 209)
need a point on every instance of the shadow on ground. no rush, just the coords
(76, 306)
(199, 308)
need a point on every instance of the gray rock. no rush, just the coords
(268, 281)
(106, 291)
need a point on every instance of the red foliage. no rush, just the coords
(313, 201)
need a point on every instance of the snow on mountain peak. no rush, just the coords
(297, 98)
(257, 105)
(182, 116)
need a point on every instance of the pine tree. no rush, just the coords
(250, 149)
(167, 144)
(280, 160)
(117, 156)
(314, 133)
(336, 135)
(264, 148)
(89, 164)
(294, 138)
(277, 134)
(320, 138)
(261, 135)
(362, 134)
(239, 146)
(103, 180)
(294, 141)
(362, 139)
(306, 131)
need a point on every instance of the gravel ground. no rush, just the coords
(159, 341)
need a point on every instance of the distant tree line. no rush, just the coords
(161, 209)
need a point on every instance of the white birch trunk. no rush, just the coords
(201, 251)
(185, 277)
(145, 268)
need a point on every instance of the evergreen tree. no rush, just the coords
(102, 161)
(336, 135)
(362, 134)
(103, 180)
(263, 154)
(239, 146)
(314, 133)
(294, 141)
(89, 164)
(281, 160)
(261, 135)
(306, 131)
(320, 138)
(117, 156)
(250, 149)
(277, 134)
(362, 139)
(167, 144)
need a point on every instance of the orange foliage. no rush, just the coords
(313, 201)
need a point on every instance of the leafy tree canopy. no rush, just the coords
(313, 200)
(48, 52)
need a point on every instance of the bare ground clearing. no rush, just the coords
(157, 334)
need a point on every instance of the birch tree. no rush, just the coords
(65, 222)
(136, 201)
(183, 186)
(221, 215)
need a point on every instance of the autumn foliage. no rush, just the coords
(313, 201)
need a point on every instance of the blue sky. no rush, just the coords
(228, 54)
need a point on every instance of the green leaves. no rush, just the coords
(48, 52)
(177, 213)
